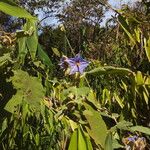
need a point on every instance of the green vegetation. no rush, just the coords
(46, 107)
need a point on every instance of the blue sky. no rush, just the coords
(116, 4)
(113, 3)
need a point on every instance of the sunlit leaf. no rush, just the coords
(32, 41)
(78, 92)
(146, 98)
(9, 7)
(73, 124)
(74, 141)
(141, 129)
(81, 141)
(119, 100)
(4, 59)
(109, 142)
(56, 52)
(109, 70)
(97, 130)
(139, 78)
(147, 48)
(123, 125)
(28, 88)
(22, 49)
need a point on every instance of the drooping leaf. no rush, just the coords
(27, 40)
(147, 48)
(109, 142)
(139, 78)
(28, 88)
(97, 130)
(44, 57)
(10, 8)
(32, 41)
(123, 125)
(74, 141)
(109, 70)
(81, 141)
(22, 49)
(141, 129)
(146, 97)
(119, 100)
(88, 142)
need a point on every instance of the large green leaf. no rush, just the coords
(78, 92)
(80, 141)
(28, 88)
(97, 130)
(27, 40)
(109, 70)
(32, 41)
(123, 125)
(22, 49)
(141, 129)
(74, 141)
(10, 8)
(44, 57)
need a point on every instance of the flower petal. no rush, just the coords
(73, 69)
(82, 66)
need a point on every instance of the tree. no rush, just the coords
(81, 17)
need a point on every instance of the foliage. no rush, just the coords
(105, 108)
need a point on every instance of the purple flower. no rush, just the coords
(76, 64)
(133, 138)
(63, 64)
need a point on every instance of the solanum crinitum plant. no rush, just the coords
(73, 102)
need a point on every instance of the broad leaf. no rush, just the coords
(97, 130)
(10, 8)
(78, 92)
(28, 88)
(141, 129)
(80, 141)
(27, 40)
(109, 70)
(123, 125)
